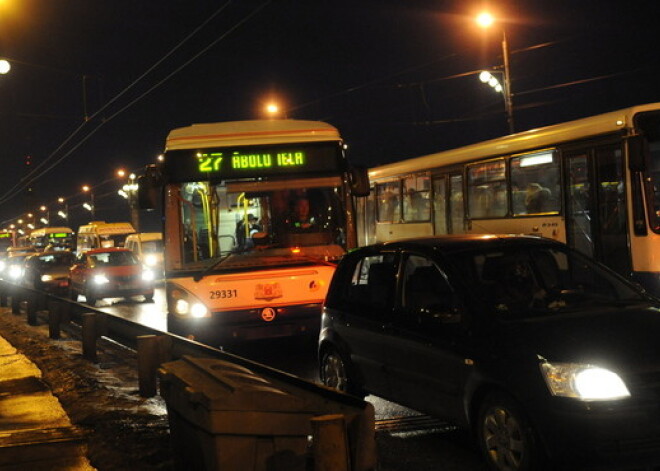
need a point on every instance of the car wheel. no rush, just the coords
(505, 436)
(91, 300)
(335, 373)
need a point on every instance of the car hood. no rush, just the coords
(56, 271)
(608, 336)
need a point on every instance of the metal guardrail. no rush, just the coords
(155, 347)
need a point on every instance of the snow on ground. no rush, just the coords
(125, 431)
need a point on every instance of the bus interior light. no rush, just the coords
(536, 159)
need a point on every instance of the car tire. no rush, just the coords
(505, 436)
(91, 300)
(334, 372)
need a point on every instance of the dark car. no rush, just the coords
(49, 271)
(545, 355)
(110, 273)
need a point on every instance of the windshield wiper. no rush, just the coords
(210, 268)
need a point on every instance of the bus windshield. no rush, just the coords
(230, 225)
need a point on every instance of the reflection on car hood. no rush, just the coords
(608, 336)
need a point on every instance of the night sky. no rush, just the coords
(396, 77)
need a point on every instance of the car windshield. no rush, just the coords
(112, 259)
(539, 280)
(56, 259)
(152, 246)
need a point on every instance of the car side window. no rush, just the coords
(426, 290)
(373, 282)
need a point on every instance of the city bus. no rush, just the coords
(593, 183)
(7, 239)
(256, 215)
(57, 238)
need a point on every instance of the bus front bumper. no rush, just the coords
(249, 324)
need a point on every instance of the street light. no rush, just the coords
(89, 206)
(64, 214)
(129, 192)
(45, 220)
(486, 20)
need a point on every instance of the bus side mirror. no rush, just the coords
(638, 153)
(148, 190)
(358, 179)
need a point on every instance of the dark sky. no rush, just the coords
(392, 75)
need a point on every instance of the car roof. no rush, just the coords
(458, 243)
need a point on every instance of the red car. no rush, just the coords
(110, 273)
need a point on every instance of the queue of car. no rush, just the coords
(99, 273)
(545, 357)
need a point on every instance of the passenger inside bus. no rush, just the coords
(244, 232)
(538, 199)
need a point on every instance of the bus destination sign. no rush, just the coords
(239, 161)
(254, 162)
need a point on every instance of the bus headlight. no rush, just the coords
(187, 305)
(101, 279)
(584, 382)
(147, 275)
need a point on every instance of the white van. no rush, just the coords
(148, 247)
(101, 234)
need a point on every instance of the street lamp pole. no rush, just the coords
(486, 20)
(508, 102)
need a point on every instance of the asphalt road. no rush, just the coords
(406, 439)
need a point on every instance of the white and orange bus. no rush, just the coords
(239, 263)
(593, 183)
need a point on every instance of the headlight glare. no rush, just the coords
(46, 278)
(15, 271)
(198, 310)
(101, 279)
(583, 381)
(150, 260)
(147, 275)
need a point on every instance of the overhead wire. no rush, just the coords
(30, 178)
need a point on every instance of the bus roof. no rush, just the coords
(606, 123)
(248, 133)
(50, 230)
(106, 228)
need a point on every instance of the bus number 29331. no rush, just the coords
(223, 294)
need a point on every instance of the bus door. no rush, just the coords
(448, 213)
(595, 209)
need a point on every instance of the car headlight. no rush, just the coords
(151, 260)
(15, 272)
(583, 381)
(147, 275)
(101, 279)
(45, 278)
